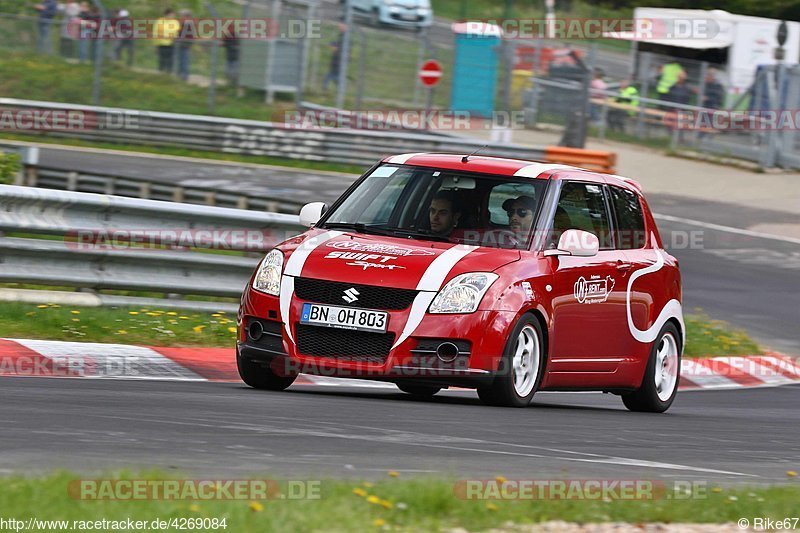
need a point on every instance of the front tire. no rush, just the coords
(520, 371)
(262, 375)
(661, 378)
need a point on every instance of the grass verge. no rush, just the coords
(36, 77)
(706, 337)
(420, 504)
(141, 325)
(157, 327)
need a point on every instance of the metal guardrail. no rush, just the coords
(149, 188)
(90, 241)
(250, 137)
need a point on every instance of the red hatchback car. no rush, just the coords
(507, 276)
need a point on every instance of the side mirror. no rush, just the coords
(577, 243)
(311, 213)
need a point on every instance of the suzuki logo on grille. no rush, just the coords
(350, 295)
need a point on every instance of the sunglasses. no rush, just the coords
(522, 213)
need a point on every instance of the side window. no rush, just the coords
(582, 206)
(630, 220)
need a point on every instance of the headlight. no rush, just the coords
(268, 276)
(423, 10)
(463, 293)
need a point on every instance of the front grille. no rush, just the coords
(369, 296)
(344, 345)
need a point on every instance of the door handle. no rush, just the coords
(624, 267)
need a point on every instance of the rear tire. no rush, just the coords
(662, 375)
(423, 391)
(520, 371)
(262, 375)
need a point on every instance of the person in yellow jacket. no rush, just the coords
(670, 74)
(629, 95)
(165, 31)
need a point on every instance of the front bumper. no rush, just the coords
(409, 17)
(481, 337)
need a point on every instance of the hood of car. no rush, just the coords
(386, 261)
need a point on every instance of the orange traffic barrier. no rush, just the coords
(596, 160)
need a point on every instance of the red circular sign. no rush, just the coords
(430, 73)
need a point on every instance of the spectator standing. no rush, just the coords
(47, 12)
(165, 30)
(70, 24)
(336, 56)
(184, 43)
(87, 43)
(669, 75)
(714, 92)
(679, 93)
(597, 89)
(232, 45)
(628, 95)
(123, 26)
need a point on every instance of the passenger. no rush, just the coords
(444, 213)
(520, 214)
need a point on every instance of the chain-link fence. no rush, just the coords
(382, 66)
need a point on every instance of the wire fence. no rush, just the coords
(554, 83)
(696, 113)
(381, 68)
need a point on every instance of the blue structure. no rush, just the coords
(475, 68)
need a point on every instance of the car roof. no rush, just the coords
(509, 167)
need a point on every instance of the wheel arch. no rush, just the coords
(681, 332)
(539, 316)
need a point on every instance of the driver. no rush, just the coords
(444, 213)
(520, 213)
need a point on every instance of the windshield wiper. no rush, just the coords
(378, 229)
(422, 235)
(361, 227)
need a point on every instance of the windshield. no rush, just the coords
(443, 205)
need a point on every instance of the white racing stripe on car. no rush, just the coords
(293, 268)
(429, 284)
(533, 171)
(402, 158)
(294, 265)
(672, 309)
(437, 271)
(120, 361)
(287, 289)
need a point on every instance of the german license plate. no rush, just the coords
(344, 317)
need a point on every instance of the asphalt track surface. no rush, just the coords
(227, 430)
(748, 281)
